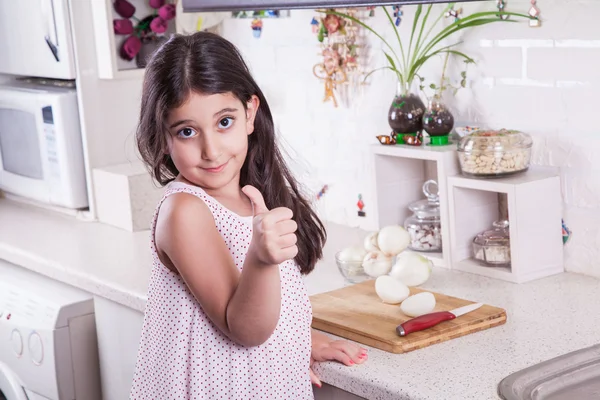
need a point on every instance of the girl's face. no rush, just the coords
(208, 138)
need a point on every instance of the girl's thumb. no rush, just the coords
(256, 198)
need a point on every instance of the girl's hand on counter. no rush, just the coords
(342, 351)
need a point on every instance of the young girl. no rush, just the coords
(228, 316)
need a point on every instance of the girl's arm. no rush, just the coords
(246, 306)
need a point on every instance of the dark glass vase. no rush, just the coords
(149, 47)
(406, 112)
(438, 122)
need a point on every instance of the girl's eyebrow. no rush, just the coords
(225, 110)
(183, 121)
(187, 121)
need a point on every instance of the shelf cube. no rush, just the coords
(534, 205)
(400, 171)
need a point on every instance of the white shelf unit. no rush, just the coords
(110, 65)
(534, 204)
(400, 171)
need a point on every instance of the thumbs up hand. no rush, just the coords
(273, 236)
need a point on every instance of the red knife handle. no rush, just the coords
(424, 322)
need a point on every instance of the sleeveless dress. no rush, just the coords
(183, 355)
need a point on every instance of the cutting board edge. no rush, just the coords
(501, 314)
(395, 348)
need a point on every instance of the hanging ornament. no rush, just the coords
(339, 69)
(398, 14)
(257, 25)
(501, 4)
(534, 13)
(360, 204)
(322, 192)
(315, 25)
(371, 11)
(454, 13)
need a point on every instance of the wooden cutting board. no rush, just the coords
(356, 313)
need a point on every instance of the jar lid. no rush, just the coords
(430, 207)
(487, 140)
(498, 236)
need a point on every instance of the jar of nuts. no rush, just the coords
(492, 247)
(490, 153)
(424, 226)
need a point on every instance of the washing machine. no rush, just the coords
(48, 345)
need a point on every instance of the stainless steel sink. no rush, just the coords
(573, 376)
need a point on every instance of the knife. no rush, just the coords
(428, 320)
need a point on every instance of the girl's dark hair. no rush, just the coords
(209, 64)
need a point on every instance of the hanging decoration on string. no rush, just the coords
(257, 25)
(322, 192)
(360, 204)
(454, 13)
(257, 18)
(340, 69)
(398, 13)
(501, 5)
(534, 13)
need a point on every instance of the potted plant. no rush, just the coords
(438, 120)
(406, 111)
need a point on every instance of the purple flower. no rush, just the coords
(124, 8)
(131, 46)
(158, 25)
(167, 12)
(156, 3)
(122, 26)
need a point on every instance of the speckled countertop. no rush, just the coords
(546, 318)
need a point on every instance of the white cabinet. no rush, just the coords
(119, 330)
(35, 39)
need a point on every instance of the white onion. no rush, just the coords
(390, 290)
(371, 242)
(352, 254)
(418, 304)
(412, 269)
(393, 240)
(376, 264)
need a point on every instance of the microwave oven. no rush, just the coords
(41, 152)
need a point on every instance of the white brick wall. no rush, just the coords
(544, 81)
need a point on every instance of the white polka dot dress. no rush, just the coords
(183, 355)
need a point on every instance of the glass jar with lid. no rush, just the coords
(424, 226)
(492, 247)
(491, 153)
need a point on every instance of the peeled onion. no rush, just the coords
(412, 269)
(393, 240)
(390, 290)
(376, 264)
(418, 304)
(371, 242)
(352, 254)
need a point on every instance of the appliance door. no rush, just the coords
(35, 39)
(10, 387)
(23, 151)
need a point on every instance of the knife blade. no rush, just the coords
(428, 320)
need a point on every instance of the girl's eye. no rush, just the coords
(186, 133)
(225, 123)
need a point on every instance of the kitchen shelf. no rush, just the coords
(400, 171)
(534, 213)
(107, 43)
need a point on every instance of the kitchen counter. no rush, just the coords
(546, 318)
